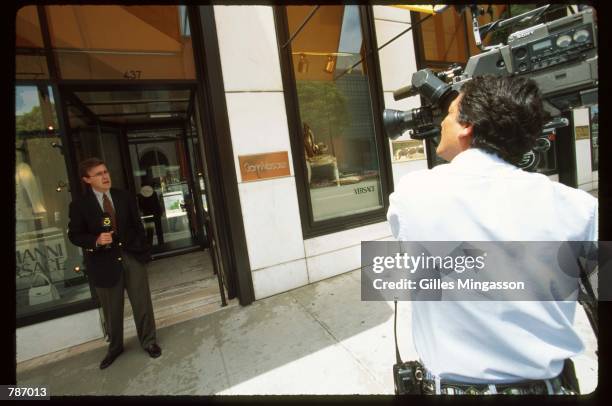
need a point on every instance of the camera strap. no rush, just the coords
(397, 353)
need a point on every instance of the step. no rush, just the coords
(181, 312)
(76, 350)
(186, 293)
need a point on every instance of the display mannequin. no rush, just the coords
(30, 208)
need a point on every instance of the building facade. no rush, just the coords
(253, 131)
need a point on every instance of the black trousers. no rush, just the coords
(135, 280)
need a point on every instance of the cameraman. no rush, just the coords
(484, 347)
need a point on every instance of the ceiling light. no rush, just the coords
(160, 115)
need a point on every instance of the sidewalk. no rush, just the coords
(318, 339)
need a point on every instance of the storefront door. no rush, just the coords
(164, 187)
(142, 135)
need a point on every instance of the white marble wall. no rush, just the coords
(336, 253)
(258, 124)
(57, 334)
(587, 178)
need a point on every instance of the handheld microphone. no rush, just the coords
(107, 225)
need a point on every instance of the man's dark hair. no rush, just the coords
(87, 164)
(506, 113)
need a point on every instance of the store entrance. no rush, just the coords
(147, 137)
(150, 139)
(166, 192)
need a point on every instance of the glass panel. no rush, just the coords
(199, 204)
(27, 28)
(31, 67)
(198, 165)
(121, 42)
(161, 178)
(336, 112)
(444, 37)
(103, 143)
(129, 107)
(30, 60)
(594, 113)
(45, 257)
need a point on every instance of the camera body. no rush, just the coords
(560, 56)
(408, 377)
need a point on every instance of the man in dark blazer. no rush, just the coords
(114, 260)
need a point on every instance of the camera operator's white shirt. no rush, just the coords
(480, 197)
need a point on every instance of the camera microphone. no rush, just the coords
(403, 92)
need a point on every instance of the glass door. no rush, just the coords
(200, 199)
(202, 180)
(164, 188)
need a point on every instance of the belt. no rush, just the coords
(527, 387)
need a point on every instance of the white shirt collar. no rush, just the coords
(100, 195)
(476, 157)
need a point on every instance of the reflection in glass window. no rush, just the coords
(27, 28)
(444, 37)
(335, 111)
(121, 42)
(45, 258)
(30, 59)
(447, 37)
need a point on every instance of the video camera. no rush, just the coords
(560, 56)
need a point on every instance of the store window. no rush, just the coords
(121, 42)
(444, 37)
(30, 58)
(336, 117)
(45, 258)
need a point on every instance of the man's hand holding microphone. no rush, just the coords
(105, 239)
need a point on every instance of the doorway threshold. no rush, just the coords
(174, 252)
(180, 303)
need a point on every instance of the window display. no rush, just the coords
(152, 42)
(408, 150)
(45, 259)
(335, 109)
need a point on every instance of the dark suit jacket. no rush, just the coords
(104, 266)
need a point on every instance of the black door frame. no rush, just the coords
(216, 148)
